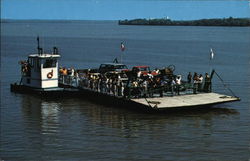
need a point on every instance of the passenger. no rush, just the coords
(64, 74)
(178, 80)
(61, 70)
(178, 83)
(196, 81)
(135, 90)
(145, 87)
(69, 71)
(109, 85)
(77, 78)
(72, 71)
(114, 87)
(195, 77)
(157, 71)
(139, 74)
(200, 81)
(159, 87)
(64, 71)
(207, 85)
(173, 85)
(122, 88)
(150, 76)
(189, 77)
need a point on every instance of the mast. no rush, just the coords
(39, 50)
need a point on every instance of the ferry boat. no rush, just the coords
(115, 84)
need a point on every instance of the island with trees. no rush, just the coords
(202, 22)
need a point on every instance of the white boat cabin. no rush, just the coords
(41, 70)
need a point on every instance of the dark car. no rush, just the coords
(112, 67)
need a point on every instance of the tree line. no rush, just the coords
(202, 22)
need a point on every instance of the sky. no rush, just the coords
(123, 9)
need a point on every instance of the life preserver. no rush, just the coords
(50, 74)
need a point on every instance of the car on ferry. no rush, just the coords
(143, 69)
(112, 67)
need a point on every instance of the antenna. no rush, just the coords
(38, 45)
(40, 50)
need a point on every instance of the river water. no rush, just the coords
(76, 129)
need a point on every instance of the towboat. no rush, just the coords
(39, 74)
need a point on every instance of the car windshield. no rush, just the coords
(144, 69)
(120, 67)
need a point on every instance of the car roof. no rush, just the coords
(112, 64)
(142, 66)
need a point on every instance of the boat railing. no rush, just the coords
(164, 90)
(129, 91)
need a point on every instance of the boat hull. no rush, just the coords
(182, 102)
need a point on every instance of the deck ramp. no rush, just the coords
(185, 100)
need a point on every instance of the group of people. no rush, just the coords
(67, 75)
(136, 85)
(113, 84)
(198, 82)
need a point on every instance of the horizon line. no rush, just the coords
(13, 19)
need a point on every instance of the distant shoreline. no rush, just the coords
(240, 22)
(52, 21)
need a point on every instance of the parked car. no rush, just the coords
(143, 69)
(112, 67)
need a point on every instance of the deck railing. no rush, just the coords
(129, 91)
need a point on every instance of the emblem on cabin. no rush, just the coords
(50, 74)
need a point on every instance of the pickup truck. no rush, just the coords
(112, 67)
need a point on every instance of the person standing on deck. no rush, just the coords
(145, 87)
(173, 84)
(178, 83)
(200, 81)
(195, 80)
(159, 87)
(189, 77)
(207, 85)
(122, 88)
(150, 87)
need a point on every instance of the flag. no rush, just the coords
(211, 54)
(122, 46)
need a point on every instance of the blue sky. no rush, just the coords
(123, 9)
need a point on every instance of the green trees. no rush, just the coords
(203, 22)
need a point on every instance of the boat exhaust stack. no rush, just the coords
(55, 50)
(39, 50)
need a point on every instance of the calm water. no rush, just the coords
(75, 129)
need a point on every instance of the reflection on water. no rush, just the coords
(48, 112)
(77, 127)
(44, 113)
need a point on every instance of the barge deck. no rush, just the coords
(185, 101)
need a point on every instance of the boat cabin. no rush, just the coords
(41, 69)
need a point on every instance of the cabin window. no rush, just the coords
(30, 61)
(37, 64)
(49, 63)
